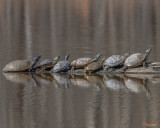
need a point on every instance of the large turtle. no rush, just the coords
(47, 64)
(94, 66)
(136, 59)
(62, 66)
(80, 63)
(21, 65)
(114, 60)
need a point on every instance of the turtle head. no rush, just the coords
(147, 53)
(126, 55)
(103, 59)
(36, 59)
(97, 57)
(66, 57)
(57, 58)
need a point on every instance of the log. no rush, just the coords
(153, 68)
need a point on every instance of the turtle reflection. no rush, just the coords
(43, 79)
(136, 85)
(20, 78)
(27, 78)
(114, 82)
(61, 79)
(80, 80)
(87, 80)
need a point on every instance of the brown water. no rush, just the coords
(80, 28)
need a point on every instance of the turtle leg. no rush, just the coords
(124, 69)
(42, 70)
(72, 69)
(72, 72)
(110, 69)
(105, 68)
(145, 64)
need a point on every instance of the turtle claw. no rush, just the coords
(145, 65)
(105, 68)
(122, 71)
(110, 69)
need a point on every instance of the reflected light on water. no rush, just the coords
(106, 100)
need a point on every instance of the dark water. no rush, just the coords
(80, 28)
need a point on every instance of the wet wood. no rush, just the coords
(153, 68)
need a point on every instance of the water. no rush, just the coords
(80, 28)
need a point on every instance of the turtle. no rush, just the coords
(94, 66)
(47, 64)
(80, 63)
(114, 61)
(136, 59)
(21, 65)
(62, 66)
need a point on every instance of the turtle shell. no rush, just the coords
(81, 62)
(18, 65)
(61, 66)
(134, 60)
(93, 67)
(45, 63)
(113, 61)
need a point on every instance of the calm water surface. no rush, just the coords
(80, 28)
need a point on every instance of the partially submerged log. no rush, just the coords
(153, 68)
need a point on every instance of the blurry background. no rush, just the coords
(80, 28)
(77, 27)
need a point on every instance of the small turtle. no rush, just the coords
(47, 64)
(21, 65)
(94, 66)
(114, 60)
(62, 66)
(136, 59)
(80, 63)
